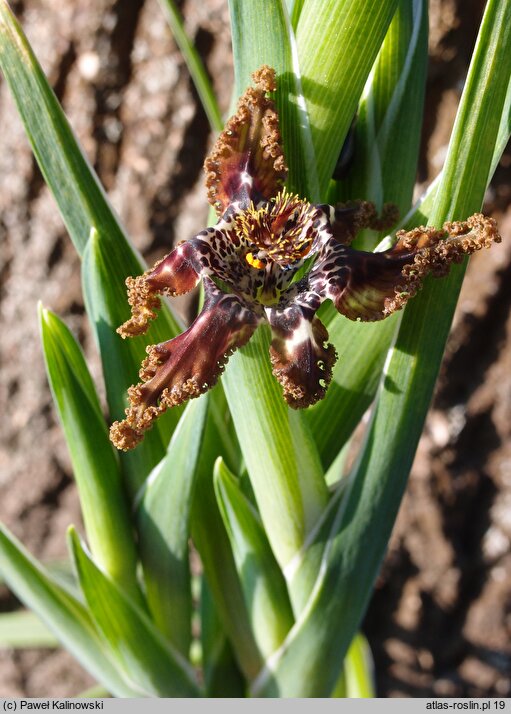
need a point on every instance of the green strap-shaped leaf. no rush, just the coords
(194, 63)
(294, 9)
(24, 628)
(504, 133)
(357, 541)
(262, 581)
(262, 34)
(163, 527)
(95, 466)
(104, 270)
(384, 168)
(362, 349)
(138, 649)
(357, 678)
(337, 41)
(211, 541)
(78, 193)
(389, 123)
(62, 613)
(279, 453)
(75, 187)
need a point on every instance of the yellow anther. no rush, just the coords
(254, 262)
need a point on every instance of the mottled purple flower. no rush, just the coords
(249, 263)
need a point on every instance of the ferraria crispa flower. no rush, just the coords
(249, 263)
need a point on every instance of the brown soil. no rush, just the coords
(440, 620)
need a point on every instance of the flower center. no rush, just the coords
(281, 230)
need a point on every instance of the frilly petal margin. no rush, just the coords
(186, 366)
(300, 355)
(371, 286)
(247, 162)
(175, 274)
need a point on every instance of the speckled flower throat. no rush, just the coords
(249, 262)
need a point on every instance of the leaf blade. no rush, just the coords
(261, 579)
(289, 485)
(337, 46)
(74, 185)
(64, 615)
(95, 466)
(386, 152)
(138, 648)
(210, 539)
(162, 519)
(24, 628)
(389, 123)
(194, 63)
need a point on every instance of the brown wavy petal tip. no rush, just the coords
(370, 286)
(125, 437)
(436, 250)
(187, 366)
(247, 161)
(176, 274)
(141, 415)
(144, 302)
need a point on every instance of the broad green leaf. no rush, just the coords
(389, 123)
(60, 611)
(211, 541)
(24, 628)
(95, 465)
(104, 270)
(194, 63)
(262, 34)
(279, 452)
(138, 649)
(315, 674)
(424, 208)
(368, 510)
(162, 517)
(483, 112)
(75, 187)
(261, 579)
(420, 213)
(359, 669)
(338, 41)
